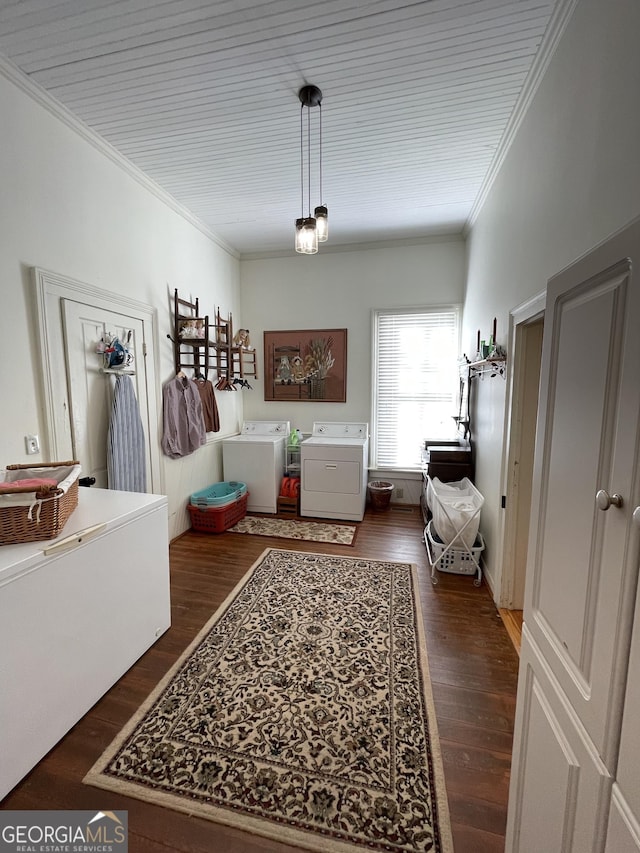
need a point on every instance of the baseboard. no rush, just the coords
(512, 620)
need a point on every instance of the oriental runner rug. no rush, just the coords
(290, 528)
(302, 712)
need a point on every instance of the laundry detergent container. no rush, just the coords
(455, 508)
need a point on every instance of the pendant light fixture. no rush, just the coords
(321, 213)
(310, 229)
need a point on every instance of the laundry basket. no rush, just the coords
(219, 494)
(380, 494)
(452, 539)
(455, 508)
(457, 561)
(217, 519)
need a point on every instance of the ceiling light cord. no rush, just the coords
(301, 163)
(320, 156)
(309, 158)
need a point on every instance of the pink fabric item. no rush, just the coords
(35, 484)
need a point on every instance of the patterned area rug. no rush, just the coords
(302, 712)
(289, 528)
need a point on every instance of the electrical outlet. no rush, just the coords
(399, 493)
(32, 443)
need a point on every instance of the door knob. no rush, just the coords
(604, 500)
(636, 516)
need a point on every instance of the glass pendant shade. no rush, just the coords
(306, 236)
(322, 223)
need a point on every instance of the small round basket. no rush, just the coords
(380, 494)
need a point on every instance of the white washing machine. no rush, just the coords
(257, 457)
(334, 471)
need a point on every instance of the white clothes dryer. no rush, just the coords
(334, 471)
(257, 457)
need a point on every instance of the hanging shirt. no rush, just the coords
(209, 405)
(183, 422)
(126, 456)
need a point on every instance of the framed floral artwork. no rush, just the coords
(306, 365)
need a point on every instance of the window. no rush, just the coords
(415, 382)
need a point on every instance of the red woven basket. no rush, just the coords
(217, 519)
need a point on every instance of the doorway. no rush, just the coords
(527, 333)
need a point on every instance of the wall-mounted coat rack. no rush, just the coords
(200, 345)
(234, 355)
(190, 348)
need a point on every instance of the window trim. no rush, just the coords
(376, 313)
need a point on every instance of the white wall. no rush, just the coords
(67, 207)
(340, 290)
(571, 178)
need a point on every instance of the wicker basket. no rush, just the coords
(44, 514)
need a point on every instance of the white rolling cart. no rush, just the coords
(453, 541)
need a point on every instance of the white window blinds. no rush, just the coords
(415, 383)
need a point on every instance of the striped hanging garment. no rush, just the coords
(126, 457)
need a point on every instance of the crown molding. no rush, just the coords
(23, 82)
(555, 29)
(338, 248)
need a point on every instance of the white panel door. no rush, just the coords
(562, 785)
(90, 391)
(581, 572)
(623, 835)
(625, 811)
(582, 563)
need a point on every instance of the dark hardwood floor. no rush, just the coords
(473, 669)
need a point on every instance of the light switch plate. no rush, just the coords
(32, 443)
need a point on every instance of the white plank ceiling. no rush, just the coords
(202, 97)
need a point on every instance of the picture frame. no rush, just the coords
(306, 365)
